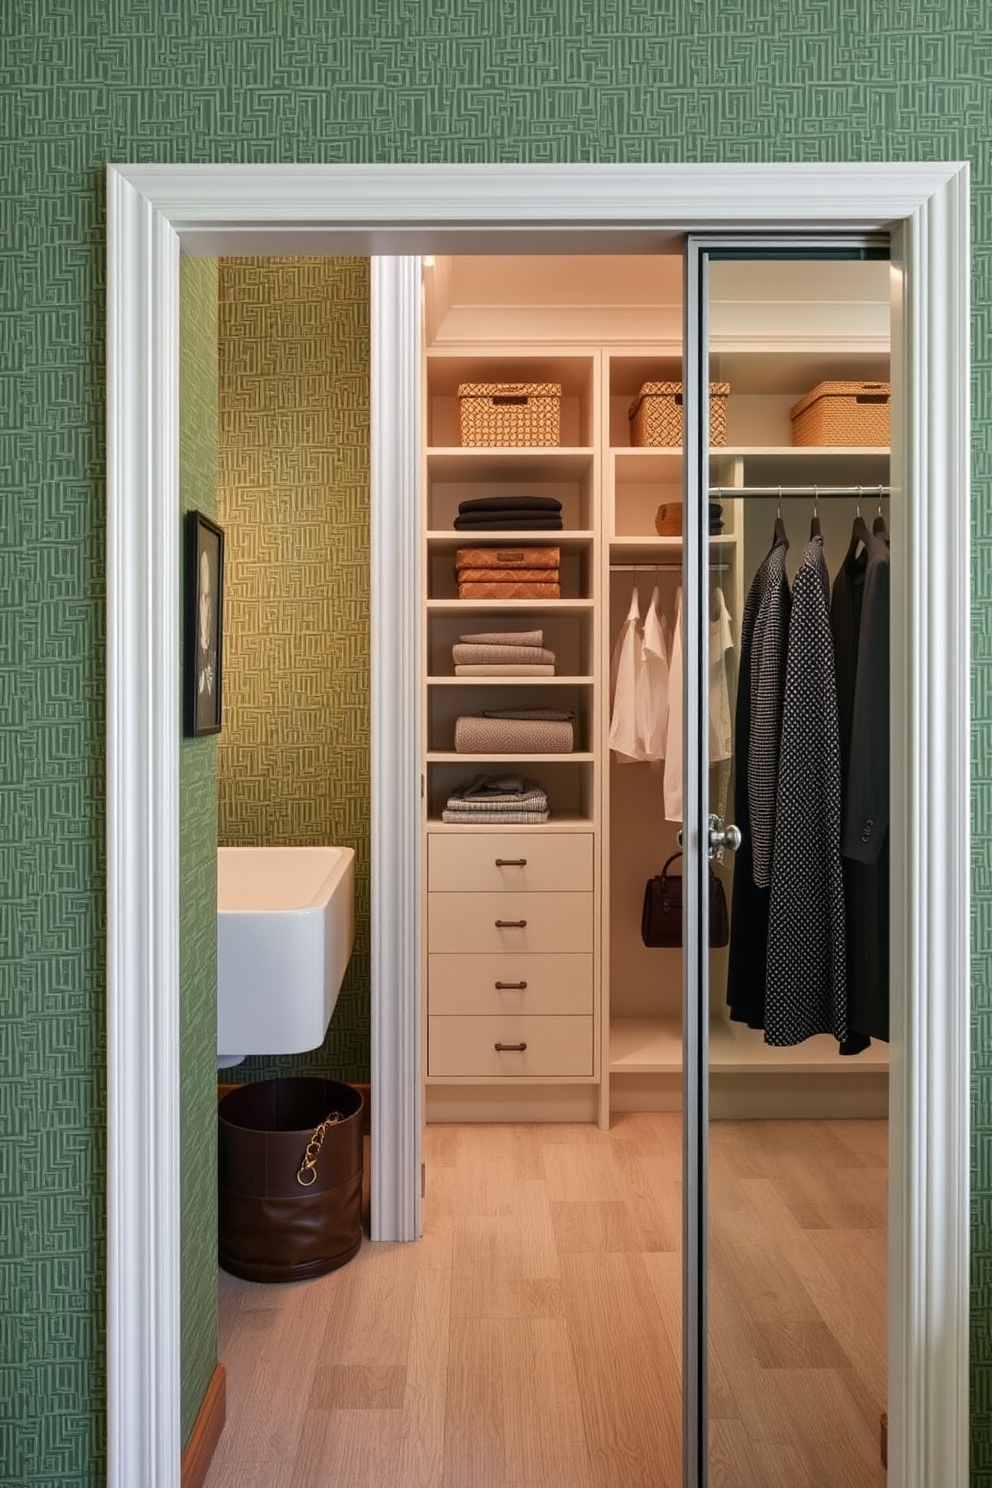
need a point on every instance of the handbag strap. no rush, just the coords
(664, 871)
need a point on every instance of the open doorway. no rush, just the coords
(141, 776)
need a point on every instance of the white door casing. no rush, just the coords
(154, 212)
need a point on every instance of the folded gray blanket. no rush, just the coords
(506, 816)
(490, 787)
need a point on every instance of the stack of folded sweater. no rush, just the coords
(508, 573)
(498, 798)
(505, 513)
(503, 653)
(515, 731)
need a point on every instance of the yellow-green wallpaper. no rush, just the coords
(294, 504)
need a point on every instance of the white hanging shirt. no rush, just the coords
(652, 695)
(673, 742)
(721, 641)
(627, 662)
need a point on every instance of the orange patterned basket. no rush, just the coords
(656, 414)
(851, 413)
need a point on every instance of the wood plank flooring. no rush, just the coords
(531, 1339)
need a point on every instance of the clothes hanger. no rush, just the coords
(779, 533)
(859, 532)
(878, 526)
(814, 522)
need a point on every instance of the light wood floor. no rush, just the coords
(531, 1338)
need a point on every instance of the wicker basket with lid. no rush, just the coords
(524, 414)
(656, 414)
(842, 413)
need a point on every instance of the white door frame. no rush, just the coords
(155, 211)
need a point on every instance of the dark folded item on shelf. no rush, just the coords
(507, 557)
(482, 523)
(510, 503)
(503, 786)
(509, 591)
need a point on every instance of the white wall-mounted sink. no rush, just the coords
(285, 932)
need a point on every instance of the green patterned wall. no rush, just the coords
(294, 505)
(84, 82)
(198, 876)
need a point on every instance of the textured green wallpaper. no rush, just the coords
(294, 505)
(84, 82)
(198, 873)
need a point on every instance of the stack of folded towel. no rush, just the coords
(503, 513)
(515, 731)
(498, 798)
(508, 573)
(503, 653)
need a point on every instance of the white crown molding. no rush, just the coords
(386, 209)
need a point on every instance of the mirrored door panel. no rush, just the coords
(797, 521)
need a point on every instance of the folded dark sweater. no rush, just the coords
(479, 522)
(509, 503)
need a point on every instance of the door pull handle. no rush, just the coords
(510, 924)
(511, 862)
(510, 986)
(509, 1048)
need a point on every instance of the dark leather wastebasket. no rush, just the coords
(290, 1161)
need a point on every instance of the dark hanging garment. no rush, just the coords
(764, 633)
(860, 625)
(806, 986)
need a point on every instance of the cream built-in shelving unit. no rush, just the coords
(600, 1013)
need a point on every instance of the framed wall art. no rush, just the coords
(204, 624)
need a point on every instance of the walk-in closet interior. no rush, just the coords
(554, 752)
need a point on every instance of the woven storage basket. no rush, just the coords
(853, 413)
(510, 413)
(656, 414)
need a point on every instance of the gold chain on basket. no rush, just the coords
(309, 1163)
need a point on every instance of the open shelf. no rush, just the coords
(649, 1045)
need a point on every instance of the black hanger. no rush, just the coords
(779, 534)
(859, 534)
(878, 526)
(814, 521)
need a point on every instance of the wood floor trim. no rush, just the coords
(206, 1431)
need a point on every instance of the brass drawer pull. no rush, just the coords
(509, 1048)
(511, 862)
(511, 986)
(510, 924)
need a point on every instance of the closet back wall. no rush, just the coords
(293, 754)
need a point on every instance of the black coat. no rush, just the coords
(806, 983)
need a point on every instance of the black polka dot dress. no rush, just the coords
(806, 979)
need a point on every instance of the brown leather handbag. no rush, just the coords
(661, 912)
(290, 1169)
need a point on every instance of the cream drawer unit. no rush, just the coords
(559, 982)
(510, 1047)
(525, 862)
(507, 923)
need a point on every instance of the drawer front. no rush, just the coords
(509, 922)
(492, 861)
(464, 984)
(466, 1047)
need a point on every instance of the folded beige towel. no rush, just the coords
(476, 735)
(509, 669)
(504, 638)
(463, 655)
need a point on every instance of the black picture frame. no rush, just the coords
(204, 669)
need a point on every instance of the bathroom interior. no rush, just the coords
(555, 1242)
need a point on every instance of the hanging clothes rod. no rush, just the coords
(787, 493)
(654, 567)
